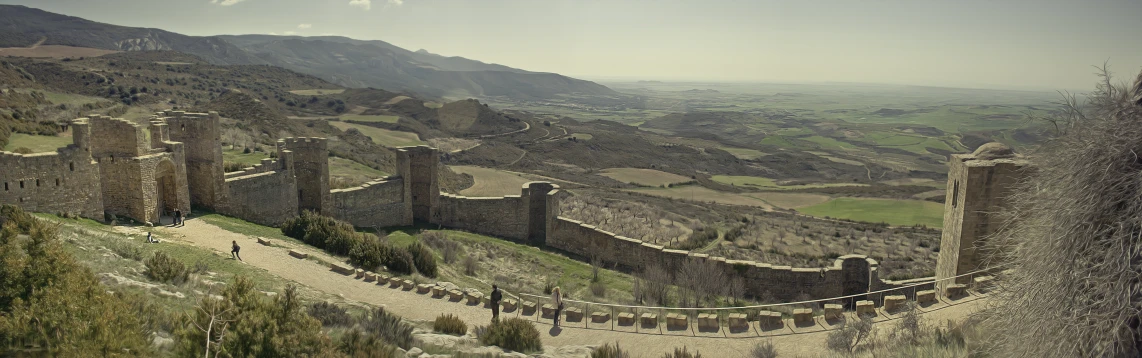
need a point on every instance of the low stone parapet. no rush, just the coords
(298, 254)
(677, 320)
(738, 321)
(341, 269)
(803, 316)
(649, 319)
(926, 296)
(834, 311)
(865, 308)
(573, 314)
(894, 303)
(769, 319)
(955, 291)
(626, 319)
(600, 317)
(708, 321)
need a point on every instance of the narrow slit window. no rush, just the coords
(5, 186)
(37, 182)
(71, 166)
(955, 193)
(57, 181)
(21, 184)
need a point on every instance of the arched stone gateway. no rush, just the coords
(166, 190)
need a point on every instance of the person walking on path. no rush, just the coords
(495, 300)
(557, 300)
(234, 252)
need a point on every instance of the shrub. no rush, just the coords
(449, 324)
(598, 289)
(400, 262)
(423, 259)
(683, 353)
(357, 344)
(763, 350)
(471, 265)
(370, 253)
(850, 335)
(163, 268)
(330, 314)
(515, 334)
(23, 150)
(437, 240)
(388, 327)
(609, 351)
(232, 166)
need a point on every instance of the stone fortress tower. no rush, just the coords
(978, 186)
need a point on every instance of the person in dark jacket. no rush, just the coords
(234, 251)
(495, 300)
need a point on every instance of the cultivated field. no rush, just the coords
(702, 194)
(249, 159)
(893, 212)
(742, 153)
(56, 51)
(381, 136)
(645, 177)
(791, 200)
(368, 118)
(345, 173)
(37, 143)
(770, 184)
(317, 92)
(491, 182)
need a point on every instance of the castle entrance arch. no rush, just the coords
(166, 189)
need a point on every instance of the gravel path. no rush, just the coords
(411, 305)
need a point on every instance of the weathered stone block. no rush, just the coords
(455, 295)
(438, 291)
(802, 316)
(341, 269)
(298, 254)
(548, 311)
(382, 279)
(395, 282)
(955, 291)
(894, 303)
(528, 307)
(649, 319)
(834, 311)
(423, 288)
(370, 277)
(359, 273)
(708, 321)
(473, 297)
(926, 296)
(865, 308)
(509, 304)
(626, 319)
(677, 320)
(600, 317)
(573, 314)
(264, 241)
(770, 319)
(983, 283)
(407, 285)
(738, 321)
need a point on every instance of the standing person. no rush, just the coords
(234, 252)
(495, 299)
(557, 300)
(177, 216)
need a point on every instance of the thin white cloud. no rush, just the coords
(396, 2)
(305, 26)
(226, 2)
(364, 4)
(273, 33)
(288, 33)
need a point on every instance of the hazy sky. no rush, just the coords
(1046, 44)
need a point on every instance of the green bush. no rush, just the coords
(330, 314)
(357, 344)
(400, 262)
(449, 324)
(388, 327)
(609, 351)
(370, 253)
(515, 334)
(163, 268)
(423, 259)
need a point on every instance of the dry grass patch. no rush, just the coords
(491, 182)
(646, 177)
(37, 143)
(317, 92)
(697, 193)
(791, 200)
(381, 136)
(56, 51)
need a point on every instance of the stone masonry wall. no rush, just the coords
(128, 169)
(267, 198)
(378, 203)
(501, 216)
(202, 138)
(64, 181)
(311, 167)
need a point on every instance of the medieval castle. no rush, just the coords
(116, 167)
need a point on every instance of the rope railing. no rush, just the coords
(831, 299)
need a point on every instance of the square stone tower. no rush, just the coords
(202, 138)
(978, 189)
(311, 168)
(417, 165)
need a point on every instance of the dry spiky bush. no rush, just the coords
(1075, 284)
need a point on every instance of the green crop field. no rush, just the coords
(770, 184)
(249, 159)
(648, 177)
(37, 143)
(742, 153)
(381, 136)
(893, 212)
(791, 200)
(697, 193)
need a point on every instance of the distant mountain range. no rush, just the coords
(342, 60)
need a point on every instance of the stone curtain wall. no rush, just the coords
(850, 274)
(267, 198)
(202, 138)
(378, 203)
(505, 217)
(65, 181)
